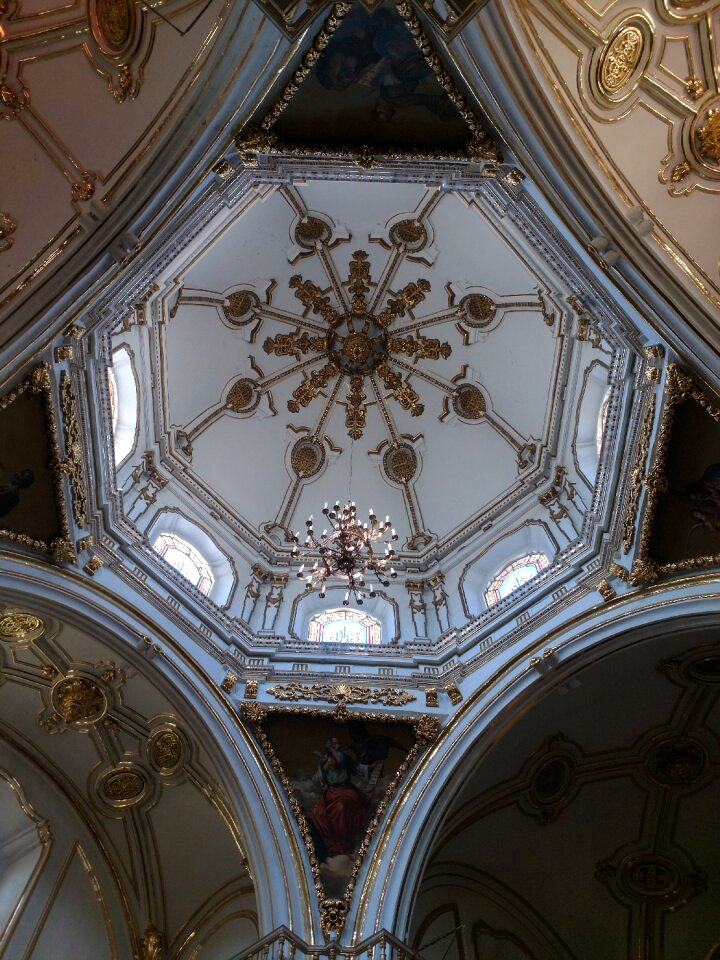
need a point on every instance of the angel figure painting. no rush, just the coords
(339, 773)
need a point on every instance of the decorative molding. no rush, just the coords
(637, 475)
(20, 627)
(73, 464)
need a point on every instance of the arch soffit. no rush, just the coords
(267, 833)
(503, 695)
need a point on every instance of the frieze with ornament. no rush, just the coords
(341, 693)
(73, 464)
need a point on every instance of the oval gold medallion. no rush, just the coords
(620, 58)
(18, 626)
(114, 20)
(166, 750)
(123, 787)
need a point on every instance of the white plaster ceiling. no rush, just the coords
(464, 464)
(92, 95)
(638, 132)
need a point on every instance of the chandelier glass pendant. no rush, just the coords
(349, 551)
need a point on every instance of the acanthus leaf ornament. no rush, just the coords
(358, 343)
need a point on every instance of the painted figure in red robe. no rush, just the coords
(340, 816)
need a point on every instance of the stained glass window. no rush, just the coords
(344, 626)
(186, 560)
(514, 575)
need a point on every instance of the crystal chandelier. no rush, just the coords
(348, 551)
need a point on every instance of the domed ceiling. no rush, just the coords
(428, 347)
(404, 327)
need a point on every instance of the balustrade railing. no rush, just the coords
(283, 944)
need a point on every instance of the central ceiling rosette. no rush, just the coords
(360, 343)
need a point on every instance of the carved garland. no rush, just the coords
(341, 693)
(426, 729)
(480, 148)
(73, 464)
(38, 383)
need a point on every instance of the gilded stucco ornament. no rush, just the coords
(165, 751)
(307, 457)
(79, 701)
(82, 697)
(243, 396)
(21, 627)
(341, 693)
(73, 464)
(151, 943)
(123, 787)
(708, 136)
(400, 463)
(676, 761)
(7, 227)
(652, 877)
(119, 44)
(357, 346)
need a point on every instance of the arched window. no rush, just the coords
(344, 626)
(602, 421)
(186, 560)
(123, 393)
(514, 575)
(112, 393)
